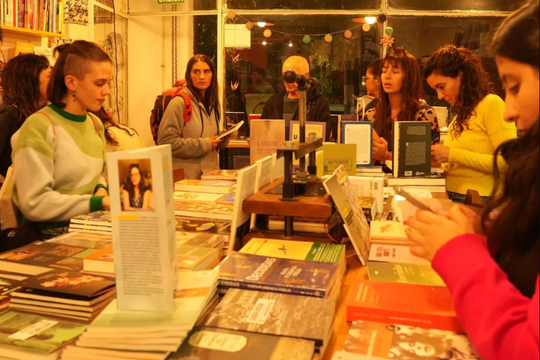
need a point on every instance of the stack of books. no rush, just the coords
(270, 313)
(65, 294)
(129, 334)
(224, 175)
(204, 199)
(433, 183)
(35, 337)
(297, 277)
(98, 222)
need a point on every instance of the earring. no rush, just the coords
(73, 95)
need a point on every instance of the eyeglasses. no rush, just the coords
(364, 78)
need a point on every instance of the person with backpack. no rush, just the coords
(191, 121)
(59, 151)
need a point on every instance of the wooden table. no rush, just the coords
(341, 328)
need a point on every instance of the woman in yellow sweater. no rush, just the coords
(478, 128)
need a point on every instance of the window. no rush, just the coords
(338, 65)
(305, 4)
(485, 5)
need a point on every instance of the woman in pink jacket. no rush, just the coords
(491, 264)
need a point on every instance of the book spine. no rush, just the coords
(424, 320)
(231, 284)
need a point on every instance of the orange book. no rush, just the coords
(101, 261)
(405, 304)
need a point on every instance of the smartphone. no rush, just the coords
(399, 191)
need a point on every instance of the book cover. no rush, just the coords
(49, 296)
(205, 186)
(266, 137)
(8, 285)
(414, 305)
(221, 174)
(196, 196)
(388, 232)
(37, 332)
(336, 155)
(296, 250)
(189, 224)
(211, 343)
(246, 271)
(70, 282)
(101, 261)
(359, 133)
(143, 227)
(201, 209)
(419, 274)
(274, 314)
(354, 219)
(402, 342)
(101, 217)
(317, 127)
(203, 240)
(196, 258)
(411, 155)
(394, 254)
(83, 239)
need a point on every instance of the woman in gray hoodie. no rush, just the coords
(194, 143)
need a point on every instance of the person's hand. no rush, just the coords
(101, 192)
(224, 142)
(440, 154)
(380, 150)
(106, 203)
(431, 231)
(215, 142)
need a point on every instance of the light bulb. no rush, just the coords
(371, 20)
(264, 43)
(291, 44)
(261, 24)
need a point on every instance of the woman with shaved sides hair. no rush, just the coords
(59, 152)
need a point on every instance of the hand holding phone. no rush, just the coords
(411, 199)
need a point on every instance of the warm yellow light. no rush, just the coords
(264, 43)
(261, 24)
(371, 20)
(291, 44)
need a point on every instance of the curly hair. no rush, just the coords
(451, 61)
(20, 80)
(412, 91)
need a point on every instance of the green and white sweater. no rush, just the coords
(57, 168)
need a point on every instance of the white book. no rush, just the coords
(143, 228)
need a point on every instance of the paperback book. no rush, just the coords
(414, 305)
(205, 210)
(411, 155)
(212, 343)
(274, 314)
(205, 186)
(418, 274)
(401, 342)
(252, 272)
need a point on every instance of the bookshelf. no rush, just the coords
(23, 31)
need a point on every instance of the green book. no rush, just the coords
(418, 274)
(336, 155)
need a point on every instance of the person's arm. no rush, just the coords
(490, 117)
(499, 320)
(125, 201)
(34, 169)
(170, 131)
(147, 200)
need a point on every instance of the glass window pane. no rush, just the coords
(338, 65)
(304, 4)
(423, 36)
(153, 6)
(501, 5)
(205, 31)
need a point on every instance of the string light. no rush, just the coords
(371, 20)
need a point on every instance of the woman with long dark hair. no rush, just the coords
(194, 143)
(477, 130)
(401, 94)
(24, 81)
(136, 194)
(491, 263)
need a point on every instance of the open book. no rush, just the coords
(231, 130)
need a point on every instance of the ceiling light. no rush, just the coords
(261, 24)
(290, 44)
(264, 43)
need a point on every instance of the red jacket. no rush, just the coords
(501, 323)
